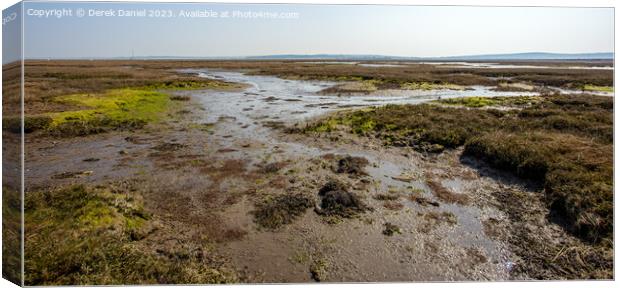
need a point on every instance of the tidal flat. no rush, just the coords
(196, 172)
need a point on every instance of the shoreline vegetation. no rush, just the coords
(563, 142)
(94, 234)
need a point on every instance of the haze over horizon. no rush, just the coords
(396, 31)
(328, 56)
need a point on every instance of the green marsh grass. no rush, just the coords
(81, 235)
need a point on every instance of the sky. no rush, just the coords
(418, 31)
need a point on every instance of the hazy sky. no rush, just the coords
(333, 29)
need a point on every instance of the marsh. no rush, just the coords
(207, 171)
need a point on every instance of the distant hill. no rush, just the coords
(505, 57)
(371, 57)
(331, 57)
(536, 56)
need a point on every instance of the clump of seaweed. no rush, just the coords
(445, 194)
(274, 167)
(387, 196)
(318, 269)
(336, 200)
(164, 147)
(281, 210)
(391, 229)
(421, 200)
(351, 165)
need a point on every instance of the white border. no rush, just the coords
(508, 3)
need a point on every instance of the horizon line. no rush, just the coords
(322, 55)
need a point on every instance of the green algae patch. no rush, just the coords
(117, 109)
(474, 102)
(358, 121)
(430, 86)
(117, 104)
(589, 87)
(479, 102)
